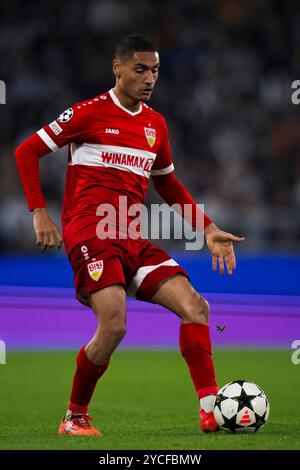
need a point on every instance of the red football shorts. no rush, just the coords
(138, 265)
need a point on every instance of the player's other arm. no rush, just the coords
(70, 126)
(27, 155)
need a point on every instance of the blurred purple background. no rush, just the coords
(49, 318)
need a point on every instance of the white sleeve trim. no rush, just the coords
(163, 171)
(47, 139)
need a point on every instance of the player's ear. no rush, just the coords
(116, 68)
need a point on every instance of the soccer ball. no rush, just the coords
(241, 406)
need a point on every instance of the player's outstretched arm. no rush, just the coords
(220, 245)
(173, 192)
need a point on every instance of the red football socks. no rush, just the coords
(86, 377)
(195, 346)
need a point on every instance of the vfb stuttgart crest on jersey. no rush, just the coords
(95, 269)
(150, 135)
(66, 115)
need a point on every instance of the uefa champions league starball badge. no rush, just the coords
(66, 115)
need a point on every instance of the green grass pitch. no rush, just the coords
(145, 401)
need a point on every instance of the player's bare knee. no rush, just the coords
(197, 310)
(109, 337)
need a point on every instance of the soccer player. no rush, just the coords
(116, 142)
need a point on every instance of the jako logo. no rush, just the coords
(2, 352)
(2, 92)
(112, 131)
(296, 354)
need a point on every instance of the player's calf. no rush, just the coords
(109, 306)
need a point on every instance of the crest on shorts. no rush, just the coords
(150, 135)
(95, 269)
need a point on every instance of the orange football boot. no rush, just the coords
(78, 425)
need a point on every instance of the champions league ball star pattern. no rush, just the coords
(241, 406)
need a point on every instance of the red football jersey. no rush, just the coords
(112, 153)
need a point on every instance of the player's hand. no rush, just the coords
(47, 234)
(220, 245)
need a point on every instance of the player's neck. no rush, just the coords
(126, 101)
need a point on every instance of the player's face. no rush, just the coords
(138, 75)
